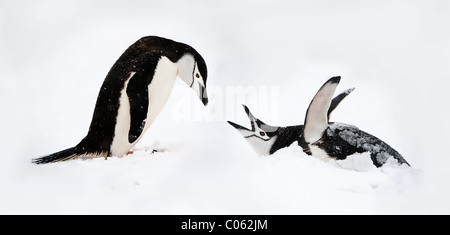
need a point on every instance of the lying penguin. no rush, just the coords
(324, 140)
(134, 92)
(266, 139)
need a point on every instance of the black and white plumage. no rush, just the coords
(318, 136)
(326, 140)
(134, 92)
(266, 139)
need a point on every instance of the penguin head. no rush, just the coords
(261, 137)
(192, 70)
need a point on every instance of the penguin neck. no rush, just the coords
(186, 66)
(260, 146)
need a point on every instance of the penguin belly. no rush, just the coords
(159, 91)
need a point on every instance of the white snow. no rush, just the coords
(54, 56)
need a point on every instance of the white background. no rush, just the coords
(54, 56)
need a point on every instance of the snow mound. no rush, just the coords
(184, 182)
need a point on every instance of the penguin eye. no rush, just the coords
(197, 75)
(262, 133)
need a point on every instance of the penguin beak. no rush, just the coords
(200, 91)
(242, 130)
(203, 96)
(238, 127)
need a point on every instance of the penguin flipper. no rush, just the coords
(337, 100)
(316, 120)
(137, 91)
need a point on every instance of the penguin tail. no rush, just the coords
(64, 155)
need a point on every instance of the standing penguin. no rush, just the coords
(266, 139)
(134, 92)
(326, 140)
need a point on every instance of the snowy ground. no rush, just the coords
(54, 56)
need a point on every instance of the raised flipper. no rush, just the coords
(337, 100)
(316, 120)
